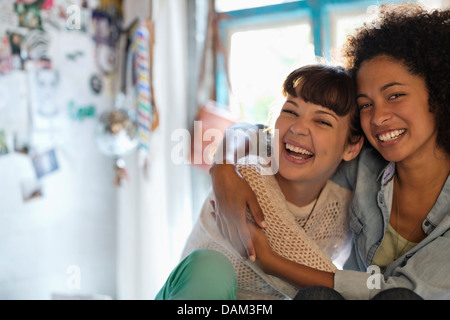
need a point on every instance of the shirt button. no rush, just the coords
(427, 223)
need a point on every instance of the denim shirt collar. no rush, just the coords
(387, 173)
(440, 208)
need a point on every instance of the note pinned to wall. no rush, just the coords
(4, 149)
(31, 189)
(45, 163)
(45, 107)
(14, 102)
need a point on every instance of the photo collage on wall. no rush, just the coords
(45, 94)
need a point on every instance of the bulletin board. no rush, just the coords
(59, 70)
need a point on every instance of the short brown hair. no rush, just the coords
(330, 87)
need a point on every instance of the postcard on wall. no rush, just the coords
(46, 109)
(31, 189)
(45, 163)
(22, 143)
(13, 102)
(29, 13)
(8, 17)
(6, 64)
(3, 143)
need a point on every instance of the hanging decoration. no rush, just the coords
(116, 132)
(146, 108)
(138, 86)
(135, 112)
(116, 136)
(143, 89)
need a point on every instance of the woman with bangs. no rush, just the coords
(306, 213)
(400, 211)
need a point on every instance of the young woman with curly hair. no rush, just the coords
(400, 212)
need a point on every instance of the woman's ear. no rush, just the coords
(352, 150)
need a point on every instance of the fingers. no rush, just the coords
(220, 226)
(235, 239)
(246, 239)
(256, 211)
(230, 208)
(238, 234)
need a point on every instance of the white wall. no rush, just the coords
(123, 241)
(73, 224)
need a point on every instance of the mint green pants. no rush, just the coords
(202, 275)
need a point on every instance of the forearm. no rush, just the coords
(425, 272)
(230, 207)
(298, 274)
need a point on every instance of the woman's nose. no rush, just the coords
(300, 126)
(380, 114)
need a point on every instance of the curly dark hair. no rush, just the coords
(418, 38)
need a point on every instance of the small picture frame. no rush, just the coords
(31, 189)
(45, 163)
(3, 144)
(22, 143)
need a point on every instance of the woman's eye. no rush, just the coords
(289, 112)
(326, 123)
(395, 96)
(364, 105)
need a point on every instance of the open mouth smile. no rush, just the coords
(391, 135)
(298, 153)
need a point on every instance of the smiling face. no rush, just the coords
(313, 141)
(394, 110)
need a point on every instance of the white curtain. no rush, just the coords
(154, 212)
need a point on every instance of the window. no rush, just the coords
(260, 60)
(233, 5)
(266, 39)
(262, 46)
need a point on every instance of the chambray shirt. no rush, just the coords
(424, 269)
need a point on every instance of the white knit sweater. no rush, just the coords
(314, 239)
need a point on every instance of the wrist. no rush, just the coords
(270, 262)
(276, 264)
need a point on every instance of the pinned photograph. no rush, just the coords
(31, 189)
(45, 163)
(22, 143)
(29, 13)
(3, 144)
(15, 40)
(45, 105)
(6, 64)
